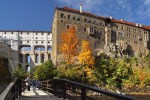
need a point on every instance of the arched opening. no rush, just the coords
(49, 48)
(25, 48)
(42, 58)
(39, 48)
(28, 58)
(21, 58)
(36, 58)
(27, 68)
(49, 56)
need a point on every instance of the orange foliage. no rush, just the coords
(69, 44)
(85, 56)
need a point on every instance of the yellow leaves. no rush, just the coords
(69, 45)
(85, 56)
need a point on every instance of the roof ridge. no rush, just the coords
(122, 21)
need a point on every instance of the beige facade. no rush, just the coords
(99, 31)
(32, 47)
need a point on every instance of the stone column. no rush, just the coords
(39, 58)
(24, 60)
(45, 57)
(46, 42)
(106, 33)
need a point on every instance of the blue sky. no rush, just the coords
(38, 14)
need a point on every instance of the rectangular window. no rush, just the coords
(68, 26)
(62, 15)
(122, 27)
(68, 16)
(74, 18)
(84, 29)
(135, 42)
(128, 29)
(78, 19)
(85, 19)
(120, 36)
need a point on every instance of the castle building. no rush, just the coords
(101, 32)
(32, 47)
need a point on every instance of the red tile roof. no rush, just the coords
(100, 17)
(147, 27)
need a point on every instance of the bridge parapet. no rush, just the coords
(78, 91)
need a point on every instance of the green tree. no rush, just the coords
(20, 72)
(111, 73)
(45, 71)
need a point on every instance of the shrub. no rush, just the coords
(20, 72)
(45, 71)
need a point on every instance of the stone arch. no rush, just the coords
(49, 56)
(42, 58)
(25, 48)
(21, 58)
(27, 68)
(36, 58)
(39, 48)
(27, 58)
(49, 48)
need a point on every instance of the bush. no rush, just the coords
(20, 72)
(45, 71)
(111, 73)
(78, 73)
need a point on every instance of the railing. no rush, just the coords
(76, 91)
(14, 90)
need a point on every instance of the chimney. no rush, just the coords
(140, 25)
(80, 8)
(110, 17)
(137, 24)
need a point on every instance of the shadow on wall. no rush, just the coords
(129, 51)
(4, 70)
(11, 55)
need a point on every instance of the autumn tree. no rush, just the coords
(85, 56)
(69, 44)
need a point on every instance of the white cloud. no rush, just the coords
(130, 10)
(147, 2)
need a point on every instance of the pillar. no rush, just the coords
(39, 58)
(106, 33)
